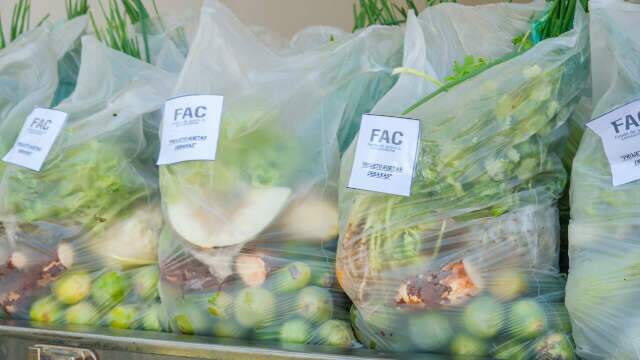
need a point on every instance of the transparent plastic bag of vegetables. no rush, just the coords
(95, 204)
(250, 246)
(468, 263)
(602, 289)
(29, 74)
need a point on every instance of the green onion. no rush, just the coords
(76, 8)
(20, 22)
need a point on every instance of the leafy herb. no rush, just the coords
(469, 66)
(556, 20)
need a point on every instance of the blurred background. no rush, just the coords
(285, 17)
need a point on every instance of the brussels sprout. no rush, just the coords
(292, 277)
(527, 319)
(465, 345)
(83, 313)
(110, 289)
(554, 346)
(315, 304)
(72, 287)
(430, 331)
(151, 318)
(513, 349)
(483, 317)
(46, 310)
(191, 320)
(228, 329)
(220, 305)
(323, 276)
(145, 283)
(296, 331)
(336, 333)
(507, 285)
(122, 316)
(254, 306)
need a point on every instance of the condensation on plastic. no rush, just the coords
(250, 250)
(604, 250)
(468, 264)
(82, 227)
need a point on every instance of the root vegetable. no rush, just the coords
(452, 285)
(311, 219)
(115, 245)
(197, 224)
(35, 272)
(252, 269)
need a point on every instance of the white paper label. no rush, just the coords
(38, 134)
(620, 133)
(190, 130)
(386, 154)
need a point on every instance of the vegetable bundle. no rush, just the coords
(249, 249)
(72, 223)
(602, 289)
(468, 263)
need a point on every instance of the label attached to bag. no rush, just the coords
(190, 129)
(386, 153)
(619, 130)
(38, 134)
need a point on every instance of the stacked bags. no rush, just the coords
(467, 264)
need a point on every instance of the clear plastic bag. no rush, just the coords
(468, 263)
(250, 247)
(29, 74)
(603, 283)
(83, 229)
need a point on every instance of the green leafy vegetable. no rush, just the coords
(101, 177)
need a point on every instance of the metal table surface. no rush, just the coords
(16, 339)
